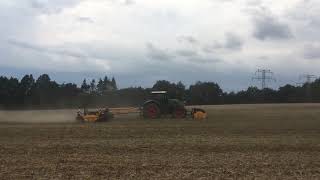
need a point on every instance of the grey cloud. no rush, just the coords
(264, 58)
(212, 47)
(223, 1)
(158, 54)
(233, 41)
(122, 2)
(187, 39)
(200, 59)
(312, 51)
(129, 2)
(37, 4)
(207, 49)
(305, 19)
(268, 27)
(85, 19)
(315, 22)
(305, 10)
(85, 54)
(52, 7)
(25, 45)
(58, 58)
(193, 56)
(186, 53)
(49, 50)
(254, 3)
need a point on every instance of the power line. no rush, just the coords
(265, 76)
(308, 78)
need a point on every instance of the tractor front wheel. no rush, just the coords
(151, 111)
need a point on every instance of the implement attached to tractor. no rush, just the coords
(101, 115)
(158, 105)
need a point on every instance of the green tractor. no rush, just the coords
(159, 105)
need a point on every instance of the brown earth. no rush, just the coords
(236, 142)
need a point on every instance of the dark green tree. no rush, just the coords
(176, 91)
(85, 87)
(45, 92)
(114, 84)
(204, 93)
(43, 81)
(100, 87)
(93, 86)
(26, 87)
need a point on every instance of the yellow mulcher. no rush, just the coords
(102, 115)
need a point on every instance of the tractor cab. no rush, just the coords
(160, 96)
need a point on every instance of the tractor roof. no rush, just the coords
(158, 92)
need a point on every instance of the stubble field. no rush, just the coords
(235, 142)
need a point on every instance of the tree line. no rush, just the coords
(46, 93)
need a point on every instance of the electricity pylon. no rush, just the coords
(308, 79)
(265, 76)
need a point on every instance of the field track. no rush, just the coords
(237, 141)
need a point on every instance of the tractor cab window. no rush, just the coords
(163, 98)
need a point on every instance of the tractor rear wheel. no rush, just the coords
(179, 113)
(151, 111)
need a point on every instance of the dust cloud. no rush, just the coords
(38, 116)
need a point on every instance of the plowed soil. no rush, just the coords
(235, 142)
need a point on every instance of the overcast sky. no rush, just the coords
(141, 41)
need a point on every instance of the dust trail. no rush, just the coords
(38, 116)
